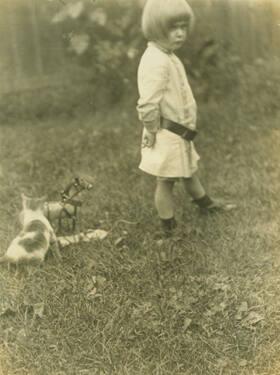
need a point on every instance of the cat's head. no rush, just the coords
(33, 204)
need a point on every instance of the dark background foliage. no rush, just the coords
(90, 51)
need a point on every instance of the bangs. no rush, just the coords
(160, 15)
(171, 19)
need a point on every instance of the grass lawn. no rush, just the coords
(205, 304)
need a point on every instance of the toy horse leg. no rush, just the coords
(75, 220)
(73, 224)
(79, 220)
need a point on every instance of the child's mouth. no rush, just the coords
(178, 43)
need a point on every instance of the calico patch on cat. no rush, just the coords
(36, 237)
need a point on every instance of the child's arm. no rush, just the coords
(152, 82)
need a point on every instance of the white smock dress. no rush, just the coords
(165, 92)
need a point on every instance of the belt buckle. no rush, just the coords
(185, 135)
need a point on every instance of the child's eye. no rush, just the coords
(183, 26)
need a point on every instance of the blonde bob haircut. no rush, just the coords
(160, 15)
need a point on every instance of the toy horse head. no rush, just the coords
(76, 186)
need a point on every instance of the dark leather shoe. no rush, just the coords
(218, 206)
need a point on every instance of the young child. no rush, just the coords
(167, 109)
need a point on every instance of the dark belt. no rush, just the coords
(182, 131)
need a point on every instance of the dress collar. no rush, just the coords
(160, 47)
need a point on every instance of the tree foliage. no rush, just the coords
(105, 38)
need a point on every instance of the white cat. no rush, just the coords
(36, 236)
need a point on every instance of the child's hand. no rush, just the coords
(149, 139)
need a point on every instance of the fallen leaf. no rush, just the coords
(222, 306)
(53, 347)
(92, 292)
(21, 335)
(39, 309)
(119, 241)
(238, 316)
(7, 333)
(243, 308)
(243, 363)
(187, 323)
(223, 363)
(101, 280)
(252, 319)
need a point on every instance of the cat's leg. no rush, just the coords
(13, 267)
(17, 269)
(55, 246)
(59, 223)
(33, 266)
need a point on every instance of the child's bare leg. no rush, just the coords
(196, 190)
(164, 198)
(206, 204)
(164, 204)
(194, 187)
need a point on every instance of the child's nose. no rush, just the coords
(180, 32)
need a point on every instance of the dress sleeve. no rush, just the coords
(152, 82)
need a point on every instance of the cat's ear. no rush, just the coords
(41, 201)
(23, 198)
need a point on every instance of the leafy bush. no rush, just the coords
(102, 45)
(104, 38)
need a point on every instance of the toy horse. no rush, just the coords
(69, 206)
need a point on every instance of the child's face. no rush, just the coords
(177, 35)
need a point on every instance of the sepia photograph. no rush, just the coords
(139, 187)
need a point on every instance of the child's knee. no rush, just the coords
(165, 183)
